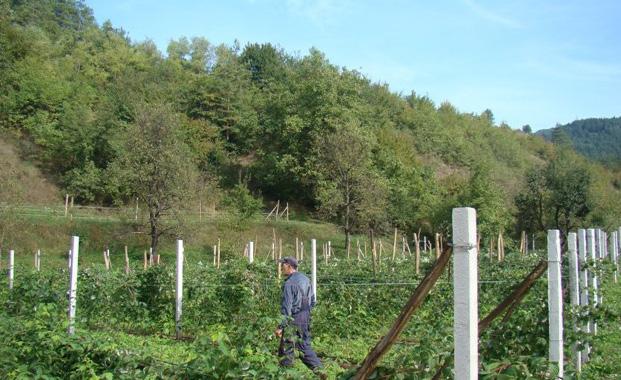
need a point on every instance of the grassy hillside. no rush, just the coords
(110, 120)
(22, 181)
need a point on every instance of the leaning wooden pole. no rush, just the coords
(417, 298)
(506, 307)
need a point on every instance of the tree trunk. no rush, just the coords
(154, 232)
(347, 241)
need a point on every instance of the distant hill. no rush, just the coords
(598, 139)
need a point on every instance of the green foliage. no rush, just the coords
(597, 139)
(242, 204)
(556, 196)
(155, 165)
(71, 89)
(125, 323)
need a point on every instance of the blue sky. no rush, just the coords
(530, 62)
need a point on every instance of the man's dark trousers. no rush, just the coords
(300, 341)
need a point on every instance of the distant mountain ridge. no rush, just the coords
(595, 138)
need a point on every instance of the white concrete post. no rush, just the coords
(465, 276)
(584, 284)
(179, 288)
(592, 275)
(73, 282)
(615, 253)
(38, 260)
(11, 268)
(602, 254)
(314, 267)
(606, 251)
(251, 252)
(574, 290)
(555, 300)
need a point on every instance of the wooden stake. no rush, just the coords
(273, 251)
(136, 213)
(325, 252)
(279, 257)
(271, 212)
(417, 258)
(66, 204)
(105, 257)
(146, 261)
(394, 246)
(437, 236)
(500, 247)
(297, 251)
(219, 254)
(126, 261)
(215, 255)
(417, 248)
(348, 248)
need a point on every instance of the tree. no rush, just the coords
(488, 115)
(487, 198)
(348, 189)
(556, 196)
(560, 137)
(156, 167)
(527, 129)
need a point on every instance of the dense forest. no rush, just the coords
(596, 138)
(111, 120)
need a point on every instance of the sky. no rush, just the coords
(529, 62)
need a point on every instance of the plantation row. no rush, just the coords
(125, 322)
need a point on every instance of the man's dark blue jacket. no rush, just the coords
(296, 289)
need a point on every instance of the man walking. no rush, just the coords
(294, 330)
